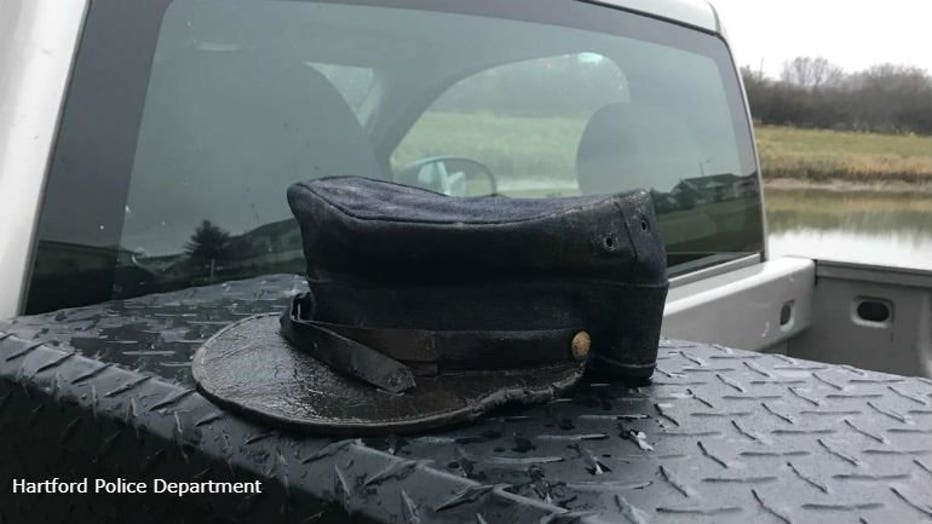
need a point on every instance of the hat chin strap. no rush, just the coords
(389, 358)
(342, 353)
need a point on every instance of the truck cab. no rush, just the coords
(119, 160)
(145, 148)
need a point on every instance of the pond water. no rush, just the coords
(883, 228)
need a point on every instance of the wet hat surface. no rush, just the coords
(250, 368)
(425, 310)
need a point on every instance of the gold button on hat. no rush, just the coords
(580, 345)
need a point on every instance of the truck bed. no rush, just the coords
(721, 435)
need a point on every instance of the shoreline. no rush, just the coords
(843, 185)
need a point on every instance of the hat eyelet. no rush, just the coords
(610, 243)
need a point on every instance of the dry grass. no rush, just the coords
(518, 146)
(819, 156)
(832, 202)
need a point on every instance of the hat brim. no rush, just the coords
(250, 368)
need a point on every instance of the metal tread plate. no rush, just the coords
(721, 435)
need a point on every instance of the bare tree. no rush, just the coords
(811, 73)
(893, 98)
(814, 93)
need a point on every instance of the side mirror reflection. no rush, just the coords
(452, 176)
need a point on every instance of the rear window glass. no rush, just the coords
(176, 147)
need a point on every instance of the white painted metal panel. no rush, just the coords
(902, 344)
(697, 13)
(37, 43)
(742, 308)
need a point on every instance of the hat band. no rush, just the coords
(389, 358)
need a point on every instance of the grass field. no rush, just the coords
(824, 156)
(545, 149)
(508, 145)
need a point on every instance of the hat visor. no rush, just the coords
(250, 368)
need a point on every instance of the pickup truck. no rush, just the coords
(145, 146)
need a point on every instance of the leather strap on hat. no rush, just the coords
(389, 358)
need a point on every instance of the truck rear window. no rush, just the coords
(186, 121)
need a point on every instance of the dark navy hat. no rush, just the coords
(427, 310)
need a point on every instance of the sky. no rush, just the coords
(854, 34)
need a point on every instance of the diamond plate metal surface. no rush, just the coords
(721, 435)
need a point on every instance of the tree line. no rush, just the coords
(814, 93)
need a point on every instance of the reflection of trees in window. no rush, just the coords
(208, 245)
(212, 255)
